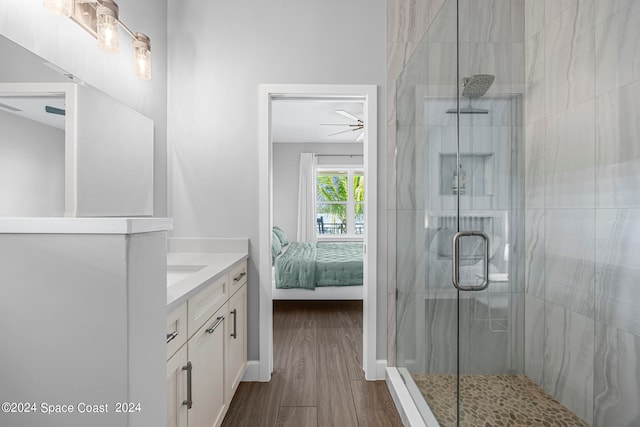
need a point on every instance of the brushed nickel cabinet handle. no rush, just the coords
(189, 401)
(171, 336)
(213, 327)
(235, 317)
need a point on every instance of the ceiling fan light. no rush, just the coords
(142, 56)
(60, 7)
(107, 25)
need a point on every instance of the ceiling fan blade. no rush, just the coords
(360, 137)
(53, 110)
(347, 115)
(336, 124)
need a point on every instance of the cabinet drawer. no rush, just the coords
(176, 329)
(237, 277)
(206, 302)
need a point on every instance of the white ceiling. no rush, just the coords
(313, 119)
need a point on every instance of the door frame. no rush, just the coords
(265, 190)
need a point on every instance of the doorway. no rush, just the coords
(368, 93)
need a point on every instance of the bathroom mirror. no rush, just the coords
(70, 150)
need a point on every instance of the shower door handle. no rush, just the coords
(456, 261)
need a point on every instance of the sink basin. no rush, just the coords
(175, 273)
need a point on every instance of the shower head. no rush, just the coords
(474, 87)
(477, 85)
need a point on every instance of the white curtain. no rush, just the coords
(307, 198)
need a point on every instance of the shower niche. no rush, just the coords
(485, 154)
(475, 177)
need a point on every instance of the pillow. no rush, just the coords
(276, 247)
(282, 236)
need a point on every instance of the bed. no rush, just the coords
(323, 270)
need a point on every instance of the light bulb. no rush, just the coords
(142, 56)
(60, 7)
(107, 26)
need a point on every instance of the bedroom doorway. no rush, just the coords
(367, 95)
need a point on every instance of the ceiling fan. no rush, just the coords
(358, 125)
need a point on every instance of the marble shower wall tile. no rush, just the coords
(617, 49)
(569, 153)
(518, 21)
(568, 359)
(534, 165)
(411, 275)
(534, 252)
(411, 171)
(617, 148)
(406, 335)
(606, 8)
(407, 20)
(441, 345)
(491, 20)
(534, 338)
(391, 329)
(486, 348)
(573, 21)
(617, 288)
(616, 378)
(569, 73)
(569, 266)
(534, 99)
(533, 17)
(554, 8)
(398, 54)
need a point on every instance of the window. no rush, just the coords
(340, 201)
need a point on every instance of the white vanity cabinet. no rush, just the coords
(204, 373)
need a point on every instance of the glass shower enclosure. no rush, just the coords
(459, 206)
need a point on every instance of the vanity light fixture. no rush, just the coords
(60, 7)
(100, 18)
(107, 25)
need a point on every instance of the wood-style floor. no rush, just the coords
(317, 378)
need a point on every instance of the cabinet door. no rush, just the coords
(177, 389)
(236, 345)
(206, 354)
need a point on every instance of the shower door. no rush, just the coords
(459, 310)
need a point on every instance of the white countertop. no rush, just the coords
(183, 281)
(60, 225)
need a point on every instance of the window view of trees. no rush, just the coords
(340, 202)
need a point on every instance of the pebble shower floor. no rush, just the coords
(494, 400)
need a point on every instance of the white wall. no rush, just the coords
(62, 42)
(31, 168)
(219, 53)
(286, 172)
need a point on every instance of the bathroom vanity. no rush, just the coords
(206, 328)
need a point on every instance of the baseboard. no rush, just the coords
(253, 371)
